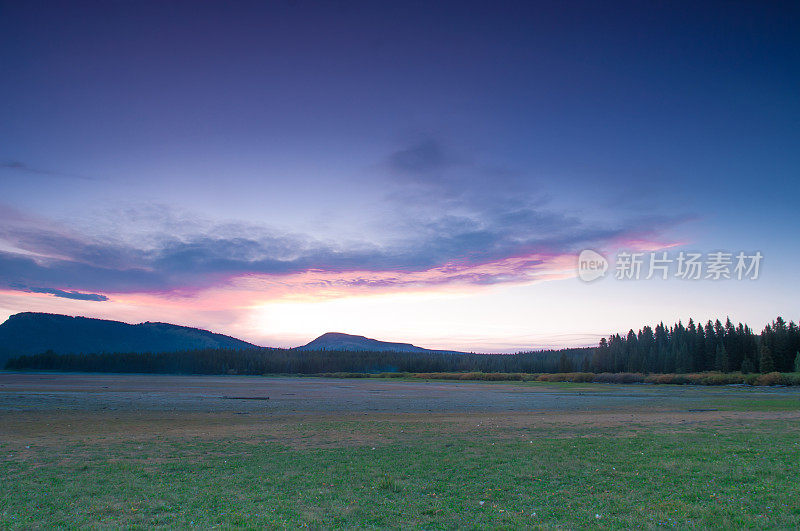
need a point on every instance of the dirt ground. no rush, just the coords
(120, 392)
(54, 408)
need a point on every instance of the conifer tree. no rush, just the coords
(721, 361)
(767, 364)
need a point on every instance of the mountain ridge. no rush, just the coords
(351, 342)
(34, 332)
(28, 333)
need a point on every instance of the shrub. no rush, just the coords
(770, 378)
(750, 379)
(702, 378)
(719, 378)
(344, 375)
(791, 378)
(619, 377)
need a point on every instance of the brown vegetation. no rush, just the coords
(702, 378)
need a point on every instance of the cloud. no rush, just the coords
(472, 224)
(451, 207)
(23, 270)
(509, 247)
(16, 165)
(70, 294)
(422, 157)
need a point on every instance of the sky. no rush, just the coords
(425, 172)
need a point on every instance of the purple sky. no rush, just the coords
(411, 171)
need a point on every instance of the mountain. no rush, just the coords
(34, 333)
(338, 341)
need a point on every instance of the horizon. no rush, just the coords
(426, 174)
(328, 333)
(638, 330)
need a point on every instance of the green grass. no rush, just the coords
(418, 474)
(759, 404)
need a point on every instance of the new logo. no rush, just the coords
(591, 265)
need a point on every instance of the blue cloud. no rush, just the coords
(471, 215)
(70, 294)
(422, 157)
(21, 167)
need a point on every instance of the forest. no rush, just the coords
(676, 349)
(697, 348)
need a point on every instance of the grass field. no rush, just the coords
(725, 461)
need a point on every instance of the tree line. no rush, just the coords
(288, 361)
(679, 348)
(697, 348)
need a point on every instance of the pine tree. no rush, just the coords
(710, 348)
(684, 362)
(600, 357)
(748, 367)
(700, 349)
(767, 363)
(781, 353)
(721, 360)
(564, 363)
(797, 363)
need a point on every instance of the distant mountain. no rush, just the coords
(34, 333)
(338, 341)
